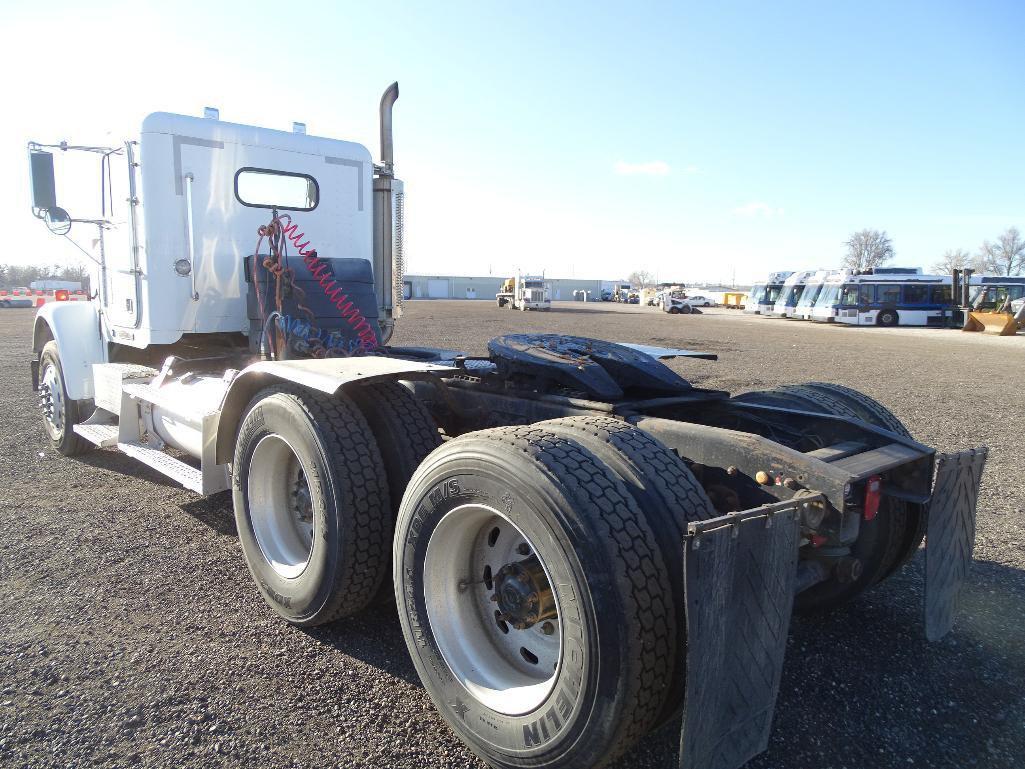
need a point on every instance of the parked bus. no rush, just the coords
(793, 289)
(887, 296)
(762, 296)
(812, 288)
(995, 292)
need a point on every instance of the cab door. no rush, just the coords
(120, 245)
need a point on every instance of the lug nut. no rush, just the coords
(523, 548)
(547, 628)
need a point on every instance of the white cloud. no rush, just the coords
(650, 168)
(757, 208)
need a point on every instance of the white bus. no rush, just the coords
(762, 296)
(886, 296)
(812, 288)
(793, 289)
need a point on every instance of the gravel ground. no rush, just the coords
(130, 633)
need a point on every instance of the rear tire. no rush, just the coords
(523, 492)
(886, 542)
(60, 413)
(403, 428)
(405, 433)
(311, 504)
(665, 490)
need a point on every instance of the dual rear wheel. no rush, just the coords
(536, 570)
(538, 573)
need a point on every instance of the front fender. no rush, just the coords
(75, 327)
(326, 375)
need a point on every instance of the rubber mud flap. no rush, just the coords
(950, 536)
(739, 572)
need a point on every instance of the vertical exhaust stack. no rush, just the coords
(389, 221)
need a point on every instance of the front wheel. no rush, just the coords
(534, 600)
(887, 318)
(60, 413)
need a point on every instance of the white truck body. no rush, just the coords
(531, 293)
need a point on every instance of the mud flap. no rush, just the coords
(950, 536)
(739, 572)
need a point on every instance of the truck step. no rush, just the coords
(188, 476)
(101, 435)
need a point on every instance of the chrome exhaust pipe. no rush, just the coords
(389, 220)
(388, 98)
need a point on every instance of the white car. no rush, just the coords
(698, 301)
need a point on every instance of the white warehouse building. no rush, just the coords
(463, 287)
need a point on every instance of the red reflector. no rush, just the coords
(61, 295)
(40, 302)
(873, 493)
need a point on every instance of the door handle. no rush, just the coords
(190, 234)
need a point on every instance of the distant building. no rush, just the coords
(465, 287)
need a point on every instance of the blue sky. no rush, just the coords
(696, 141)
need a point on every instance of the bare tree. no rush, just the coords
(1006, 256)
(868, 248)
(641, 278)
(953, 259)
(18, 275)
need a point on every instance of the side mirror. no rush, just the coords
(57, 221)
(44, 189)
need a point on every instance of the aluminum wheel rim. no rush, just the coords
(508, 670)
(51, 399)
(280, 506)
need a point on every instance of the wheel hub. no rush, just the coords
(523, 594)
(280, 504)
(302, 502)
(492, 610)
(50, 401)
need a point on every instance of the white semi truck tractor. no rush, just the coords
(580, 543)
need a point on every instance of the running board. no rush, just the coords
(101, 435)
(187, 475)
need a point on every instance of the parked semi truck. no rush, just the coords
(525, 292)
(581, 544)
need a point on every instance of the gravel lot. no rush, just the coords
(130, 633)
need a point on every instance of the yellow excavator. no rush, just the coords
(997, 308)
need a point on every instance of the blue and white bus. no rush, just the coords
(762, 296)
(793, 289)
(886, 296)
(995, 292)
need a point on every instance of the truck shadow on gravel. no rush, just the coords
(863, 688)
(374, 637)
(114, 461)
(216, 511)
